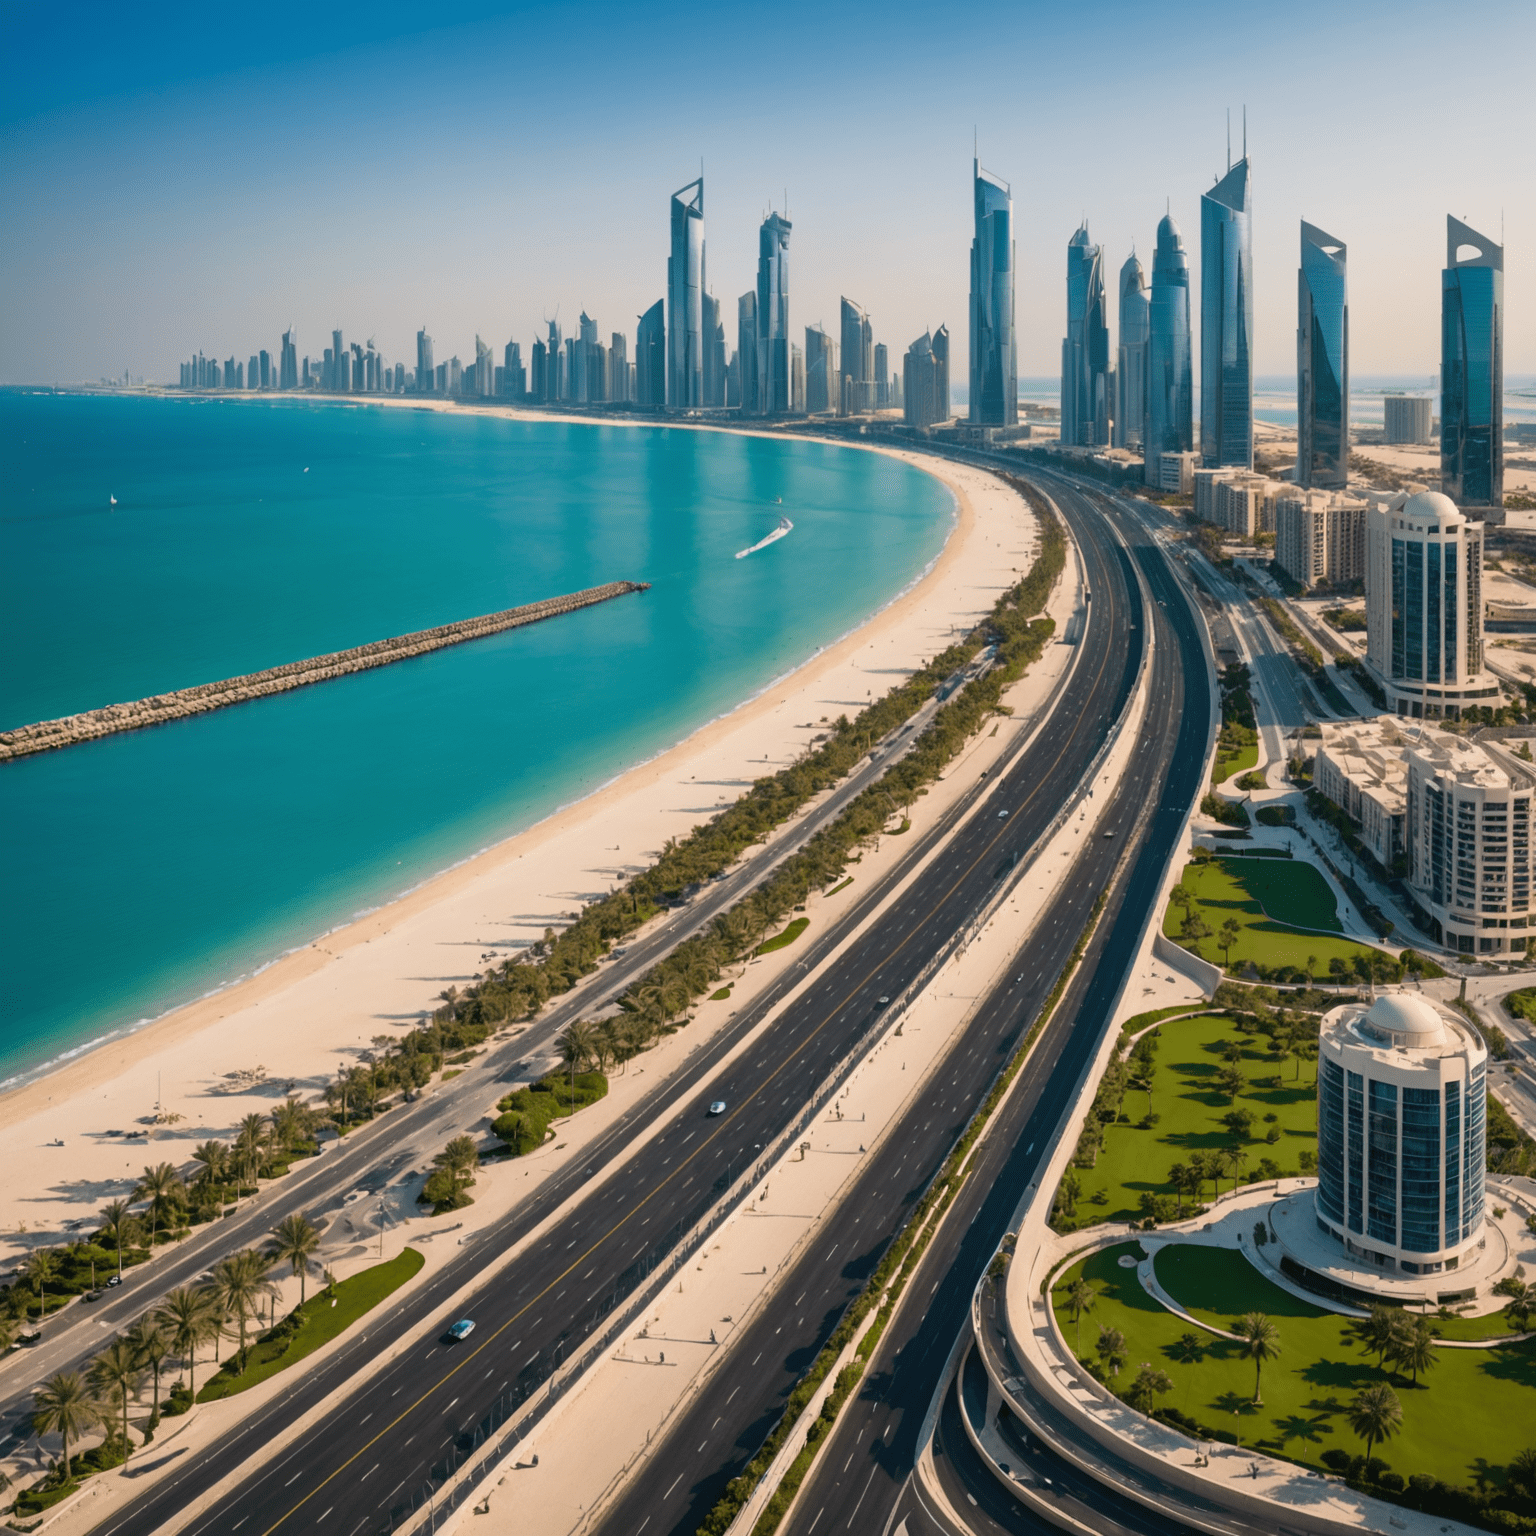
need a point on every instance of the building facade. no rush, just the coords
(882, 376)
(1472, 368)
(1424, 606)
(821, 389)
(1226, 320)
(1363, 768)
(1130, 408)
(925, 380)
(746, 352)
(856, 389)
(1085, 376)
(685, 299)
(1319, 535)
(651, 358)
(774, 386)
(1322, 361)
(1170, 371)
(1401, 1133)
(994, 398)
(1408, 418)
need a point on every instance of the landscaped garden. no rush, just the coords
(1466, 1418)
(1200, 1105)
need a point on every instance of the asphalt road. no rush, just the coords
(862, 1479)
(378, 1450)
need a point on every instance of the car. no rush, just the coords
(718, 1107)
(461, 1330)
(114, 1280)
(1001, 814)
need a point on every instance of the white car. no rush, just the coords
(718, 1107)
(461, 1330)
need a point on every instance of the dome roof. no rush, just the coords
(1429, 504)
(1413, 1019)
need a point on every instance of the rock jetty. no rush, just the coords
(49, 734)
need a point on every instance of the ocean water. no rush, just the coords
(145, 870)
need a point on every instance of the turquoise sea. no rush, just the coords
(145, 870)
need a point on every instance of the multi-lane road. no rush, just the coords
(381, 1447)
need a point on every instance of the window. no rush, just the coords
(1474, 1155)
(1421, 1170)
(1452, 1164)
(1356, 1152)
(1330, 1140)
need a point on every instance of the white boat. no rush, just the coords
(773, 538)
(111, 499)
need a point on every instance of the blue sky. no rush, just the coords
(180, 177)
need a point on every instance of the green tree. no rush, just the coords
(1413, 1348)
(1081, 1297)
(294, 1240)
(1149, 1385)
(461, 1157)
(1260, 1342)
(577, 1044)
(1111, 1349)
(191, 1318)
(115, 1375)
(151, 1342)
(1231, 930)
(42, 1267)
(1231, 1081)
(118, 1223)
(161, 1185)
(241, 1284)
(1193, 929)
(1375, 1415)
(64, 1405)
(1377, 1332)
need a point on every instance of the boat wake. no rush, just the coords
(773, 538)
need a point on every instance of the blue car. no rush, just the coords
(461, 1331)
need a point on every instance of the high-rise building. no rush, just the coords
(774, 395)
(485, 369)
(685, 299)
(1424, 606)
(713, 333)
(1170, 377)
(514, 380)
(288, 372)
(538, 372)
(1085, 404)
(994, 346)
(651, 357)
(618, 368)
(424, 367)
(1131, 368)
(1226, 320)
(1408, 418)
(253, 372)
(882, 376)
(796, 380)
(746, 352)
(341, 381)
(925, 380)
(821, 389)
(856, 376)
(1472, 368)
(1322, 361)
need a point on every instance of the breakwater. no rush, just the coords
(46, 735)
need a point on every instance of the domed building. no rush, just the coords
(1401, 1124)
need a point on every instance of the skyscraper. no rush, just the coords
(514, 380)
(1322, 362)
(774, 397)
(924, 379)
(1170, 377)
(746, 352)
(341, 369)
(1472, 368)
(882, 376)
(1085, 404)
(713, 333)
(820, 371)
(856, 375)
(618, 368)
(1226, 321)
(1131, 368)
(485, 369)
(555, 379)
(994, 347)
(288, 371)
(424, 367)
(651, 357)
(685, 295)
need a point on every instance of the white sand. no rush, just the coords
(314, 1010)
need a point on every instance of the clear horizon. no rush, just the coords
(188, 181)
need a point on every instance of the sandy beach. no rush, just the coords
(315, 1009)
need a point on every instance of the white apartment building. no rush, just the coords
(1174, 472)
(1240, 501)
(1363, 768)
(1319, 535)
(1424, 606)
(1408, 418)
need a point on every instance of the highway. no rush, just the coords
(380, 1449)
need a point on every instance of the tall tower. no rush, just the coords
(1226, 321)
(1322, 362)
(685, 296)
(424, 369)
(1472, 368)
(746, 351)
(651, 357)
(994, 347)
(1131, 368)
(1170, 377)
(857, 371)
(1085, 402)
(288, 364)
(773, 344)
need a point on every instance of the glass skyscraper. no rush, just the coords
(994, 347)
(1085, 404)
(856, 360)
(1226, 321)
(1170, 374)
(1472, 368)
(1322, 361)
(685, 299)
(773, 345)
(1131, 366)
(650, 358)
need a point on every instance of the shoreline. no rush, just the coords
(312, 1009)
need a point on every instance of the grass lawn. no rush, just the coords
(1468, 1418)
(319, 1323)
(1266, 897)
(788, 936)
(1239, 762)
(1190, 1107)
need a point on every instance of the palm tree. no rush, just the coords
(1261, 1342)
(296, 1240)
(576, 1045)
(64, 1404)
(1377, 1332)
(118, 1224)
(251, 1146)
(1375, 1415)
(1111, 1349)
(191, 1318)
(117, 1374)
(460, 1157)
(1230, 930)
(1143, 1392)
(159, 1185)
(214, 1157)
(1231, 1080)
(1080, 1297)
(42, 1266)
(240, 1283)
(1229, 1161)
(1413, 1348)
(151, 1343)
